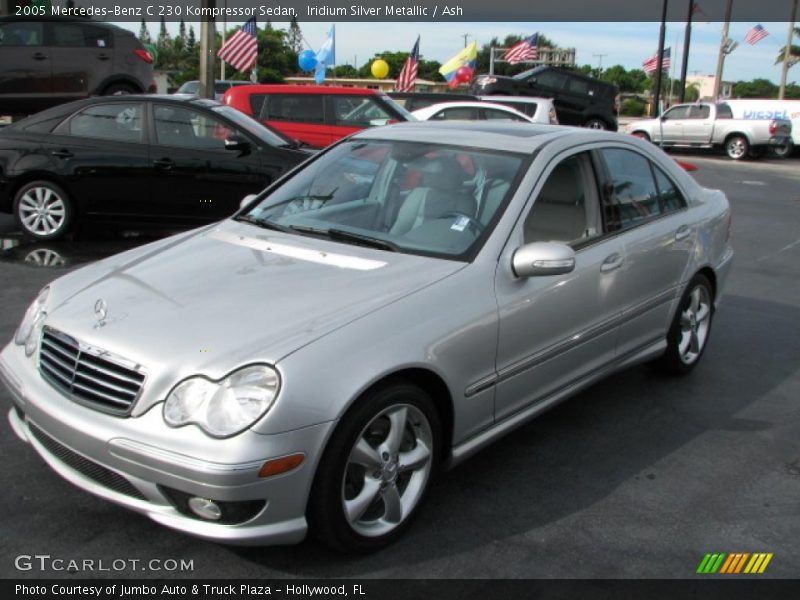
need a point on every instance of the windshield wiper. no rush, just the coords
(263, 223)
(362, 240)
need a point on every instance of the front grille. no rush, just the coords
(84, 466)
(88, 374)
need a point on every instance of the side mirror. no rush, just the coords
(237, 143)
(247, 200)
(543, 258)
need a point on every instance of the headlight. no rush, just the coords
(28, 332)
(226, 407)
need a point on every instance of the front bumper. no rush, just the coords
(130, 461)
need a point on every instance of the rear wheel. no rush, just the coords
(690, 329)
(120, 89)
(42, 210)
(595, 123)
(782, 151)
(376, 469)
(737, 147)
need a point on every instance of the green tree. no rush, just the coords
(794, 51)
(180, 41)
(757, 88)
(295, 39)
(191, 40)
(505, 68)
(144, 34)
(426, 69)
(163, 34)
(634, 81)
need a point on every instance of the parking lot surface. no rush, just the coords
(638, 476)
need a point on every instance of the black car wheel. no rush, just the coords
(120, 89)
(376, 469)
(42, 210)
(782, 151)
(595, 124)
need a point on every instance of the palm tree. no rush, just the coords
(794, 50)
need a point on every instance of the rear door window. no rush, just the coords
(183, 127)
(75, 35)
(551, 79)
(702, 111)
(119, 121)
(300, 108)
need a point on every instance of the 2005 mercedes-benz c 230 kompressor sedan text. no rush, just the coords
(387, 308)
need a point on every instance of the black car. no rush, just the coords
(412, 101)
(160, 159)
(579, 100)
(46, 62)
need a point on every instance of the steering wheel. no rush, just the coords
(472, 221)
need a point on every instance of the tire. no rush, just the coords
(361, 478)
(691, 327)
(595, 123)
(120, 89)
(42, 210)
(783, 151)
(737, 147)
(641, 135)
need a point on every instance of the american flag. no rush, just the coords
(756, 34)
(408, 75)
(241, 50)
(527, 49)
(651, 64)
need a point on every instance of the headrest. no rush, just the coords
(563, 185)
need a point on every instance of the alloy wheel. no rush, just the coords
(387, 470)
(694, 325)
(42, 211)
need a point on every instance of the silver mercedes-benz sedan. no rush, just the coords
(386, 309)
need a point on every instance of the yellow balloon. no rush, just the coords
(380, 69)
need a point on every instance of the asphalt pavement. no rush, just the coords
(638, 476)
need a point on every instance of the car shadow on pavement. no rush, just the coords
(577, 454)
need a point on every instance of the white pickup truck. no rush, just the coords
(706, 125)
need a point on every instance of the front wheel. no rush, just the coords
(376, 469)
(737, 147)
(690, 329)
(42, 210)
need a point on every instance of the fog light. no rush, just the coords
(205, 508)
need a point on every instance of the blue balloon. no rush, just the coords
(307, 60)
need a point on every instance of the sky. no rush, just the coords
(626, 44)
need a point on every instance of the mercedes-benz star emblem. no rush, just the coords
(101, 312)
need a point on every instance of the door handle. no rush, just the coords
(612, 263)
(63, 153)
(103, 57)
(39, 56)
(164, 163)
(683, 232)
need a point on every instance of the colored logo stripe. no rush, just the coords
(734, 563)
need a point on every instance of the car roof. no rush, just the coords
(518, 99)
(280, 88)
(433, 108)
(523, 138)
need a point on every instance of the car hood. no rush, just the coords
(231, 294)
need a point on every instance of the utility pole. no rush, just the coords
(465, 36)
(224, 28)
(787, 52)
(207, 50)
(687, 39)
(725, 47)
(599, 58)
(661, 35)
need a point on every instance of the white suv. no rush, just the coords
(541, 110)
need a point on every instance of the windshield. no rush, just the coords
(409, 197)
(262, 132)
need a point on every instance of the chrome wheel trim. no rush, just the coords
(42, 211)
(737, 148)
(695, 324)
(387, 470)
